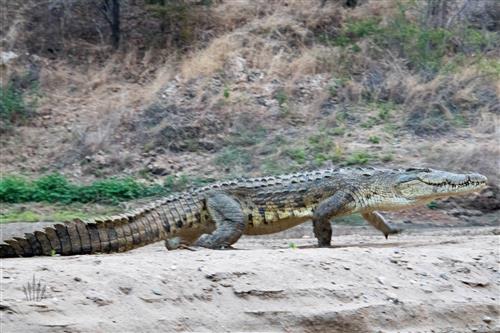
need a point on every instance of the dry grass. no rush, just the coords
(482, 157)
(269, 39)
(101, 101)
(210, 60)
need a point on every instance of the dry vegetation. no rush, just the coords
(256, 87)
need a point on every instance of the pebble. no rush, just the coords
(444, 276)
(381, 280)
(487, 319)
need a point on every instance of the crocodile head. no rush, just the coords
(424, 185)
(398, 189)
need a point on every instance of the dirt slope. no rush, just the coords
(432, 280)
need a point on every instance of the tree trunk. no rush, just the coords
(115, 24)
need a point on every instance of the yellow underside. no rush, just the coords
(276, 220)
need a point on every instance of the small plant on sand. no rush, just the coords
(226, 92)
(282, 99)
(34, 291)
(374, 139)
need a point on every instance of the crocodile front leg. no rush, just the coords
(229, 220)
(337, 205)
(378, 221)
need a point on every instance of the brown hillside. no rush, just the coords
(251, 87)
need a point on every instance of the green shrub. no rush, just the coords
(112, 190)
(337, 131)
(387, 158)
(244, 136)
(15, 189)
(370, 122)
(384, 110)
(433, 205)
(56, 188)
(297, 154)
(351, 32)
(423, 47)
(282, 99)
(374, 139)
(14, 107)
(358, 158)
(233, 156)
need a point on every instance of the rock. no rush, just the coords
(444, 276)
(158, 170)
(236, 68)
(6, 57)
(487, 319)
(471, 212)
(125, 290)
(98, 298)
(475, 282)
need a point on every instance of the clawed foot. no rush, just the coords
(190, 248)
(393, 231)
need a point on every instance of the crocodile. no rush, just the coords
(217, 215)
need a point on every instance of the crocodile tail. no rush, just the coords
(101, 235)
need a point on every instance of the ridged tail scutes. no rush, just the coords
(101, 235)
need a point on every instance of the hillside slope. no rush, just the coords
(264, 87)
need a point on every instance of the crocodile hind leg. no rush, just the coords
(378, 221)
(336, 205)
(229, 220)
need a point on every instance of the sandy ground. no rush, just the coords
(425, 280)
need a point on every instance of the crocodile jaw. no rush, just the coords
(434, 184)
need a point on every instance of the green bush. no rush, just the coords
(351, 32)
(14, 109)
(15, 189)
(233, 156)
(56, 188)
(282, 99)
(226, 92)
(297, 154)
(358, 158)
